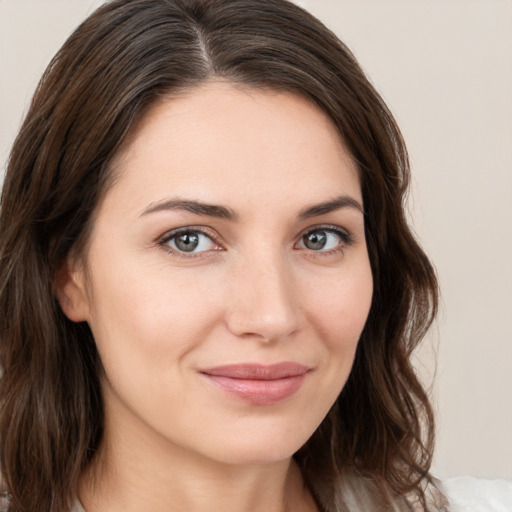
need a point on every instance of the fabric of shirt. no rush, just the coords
(468, 494)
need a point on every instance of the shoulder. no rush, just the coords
(468, 494)
(77, 507)
(4, 503)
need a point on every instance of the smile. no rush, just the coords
(258, 384)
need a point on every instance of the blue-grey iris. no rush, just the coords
(316, 240)
(187, 242)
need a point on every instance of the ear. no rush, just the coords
(70, 289)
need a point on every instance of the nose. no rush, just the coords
(263, 305)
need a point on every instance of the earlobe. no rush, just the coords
(70, 290)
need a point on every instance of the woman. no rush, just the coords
(209, 293)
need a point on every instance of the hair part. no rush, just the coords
(374, 448)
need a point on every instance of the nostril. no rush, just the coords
(265, 328)
(262, 304)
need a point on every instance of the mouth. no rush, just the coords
(258, 384)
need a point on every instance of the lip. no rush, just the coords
(258, 384)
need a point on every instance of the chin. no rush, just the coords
(259, 447)
(253, 455)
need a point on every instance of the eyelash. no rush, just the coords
(162, 242)
(346, 240)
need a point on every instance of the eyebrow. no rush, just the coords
(222, 212)
(199, 208)
(331, 206)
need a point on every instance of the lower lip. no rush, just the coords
(259, 392)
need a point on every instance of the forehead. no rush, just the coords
(222, 143)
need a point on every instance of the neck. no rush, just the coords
(141, 471)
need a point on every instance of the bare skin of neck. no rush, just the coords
(133, 472)
(244, 490)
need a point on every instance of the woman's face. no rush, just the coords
(227, 277)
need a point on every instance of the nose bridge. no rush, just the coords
(263, 302)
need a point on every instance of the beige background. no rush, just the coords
(445, 69)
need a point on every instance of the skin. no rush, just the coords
(252, 291)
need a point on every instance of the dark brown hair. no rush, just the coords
(374, 448)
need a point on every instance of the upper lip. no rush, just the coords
(255, 371)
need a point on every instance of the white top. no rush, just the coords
(468, 494)
(465, 494)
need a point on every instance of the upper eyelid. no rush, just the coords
(209, 232)
(327, 227)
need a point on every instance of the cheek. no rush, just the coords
(149, 318)
(338, 307)
(147, 325)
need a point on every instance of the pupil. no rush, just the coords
(187, 242)
(316, 240)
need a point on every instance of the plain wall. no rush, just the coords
(445, 69)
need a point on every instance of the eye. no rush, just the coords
(189, 241)
(325, 239)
